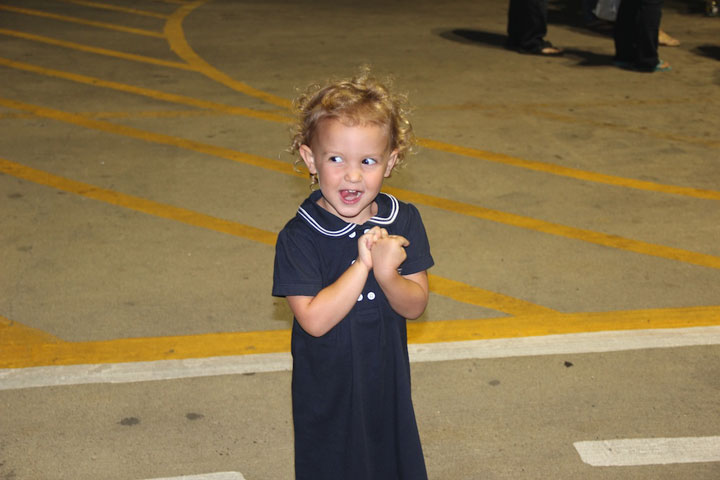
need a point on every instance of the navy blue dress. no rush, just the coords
(352, 407)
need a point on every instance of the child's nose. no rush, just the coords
(353, 175)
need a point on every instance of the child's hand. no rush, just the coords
(388, 253)
(366, 243)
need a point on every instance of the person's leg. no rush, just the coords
(587, 11)
(624, 32)
(527, 24)
(646, 33)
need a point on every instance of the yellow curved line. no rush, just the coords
(607, 240)
(445, 287)
(176, 38)
(81, 21)
(278, 341)
(178, 43)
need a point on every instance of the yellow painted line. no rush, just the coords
(598, 238)
(453, 206)
(178, 43)
(146, 92)
(278, 341)
(454, 290)
(561, 323)
(221, 152)
(116, 8)
(95, 50)
(570, 172)
(91, 23)
(176, 38)
(484, 298)
(549, 168)
(13, 333)
(145, 349)
(150, 207)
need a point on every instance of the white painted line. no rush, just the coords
(649, 451)
(16, 378)
(207, 476)
(594, 342)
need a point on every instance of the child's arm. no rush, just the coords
(318, 314)
(408, 294)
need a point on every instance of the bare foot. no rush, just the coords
(667, 40)
(551, 51)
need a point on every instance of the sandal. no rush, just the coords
(662, 67)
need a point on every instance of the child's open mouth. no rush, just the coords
(350, 196)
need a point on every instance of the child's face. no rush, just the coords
(351, 163)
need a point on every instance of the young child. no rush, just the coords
(352, 264)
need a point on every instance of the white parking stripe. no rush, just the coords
(649, 451)
(207, 476)
(142, 371)
(594, 342)
(16, 378)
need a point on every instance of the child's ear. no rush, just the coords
(308, 158)
(392, 160)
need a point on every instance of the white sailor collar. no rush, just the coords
(333, 226)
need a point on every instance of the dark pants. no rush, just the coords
(636, 33)
(527, 24)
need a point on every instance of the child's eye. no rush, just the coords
(335, 159)
(369, 161)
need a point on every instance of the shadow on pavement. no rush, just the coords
(709, 51)
(584, 58)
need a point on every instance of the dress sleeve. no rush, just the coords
(297, 266)
(418, 252)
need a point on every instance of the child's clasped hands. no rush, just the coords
(381, 252)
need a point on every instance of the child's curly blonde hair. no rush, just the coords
(358, 101)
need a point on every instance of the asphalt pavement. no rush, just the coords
(573, 329)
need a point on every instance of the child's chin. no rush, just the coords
(354, 215)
